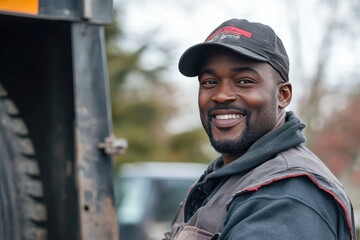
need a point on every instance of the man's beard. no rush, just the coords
(248, 137)
(236, 146)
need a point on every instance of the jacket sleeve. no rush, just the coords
(288, 209)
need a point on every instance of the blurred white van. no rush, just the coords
(148, 194)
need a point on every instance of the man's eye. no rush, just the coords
(208, 82)
(244, 81)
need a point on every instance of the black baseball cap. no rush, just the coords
(253, 40)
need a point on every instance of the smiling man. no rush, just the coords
(233, 125)
(265, 184)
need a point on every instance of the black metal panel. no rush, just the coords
(92, 125)
(55, 71)
(36, 70)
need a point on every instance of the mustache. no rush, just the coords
(226, 106)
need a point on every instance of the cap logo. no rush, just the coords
(228, 31)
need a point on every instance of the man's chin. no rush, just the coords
(226, 146)
(237, 146)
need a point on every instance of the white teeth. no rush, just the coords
(228, 116)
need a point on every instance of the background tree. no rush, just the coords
(336, 25)
(142, 104)
(338, 143)
(329, 101)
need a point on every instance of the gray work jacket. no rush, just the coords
(207, 222)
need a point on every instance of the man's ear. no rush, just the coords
(285, 94)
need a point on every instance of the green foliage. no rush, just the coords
(142, 103)
(189, 146)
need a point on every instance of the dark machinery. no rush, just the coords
(55, 122)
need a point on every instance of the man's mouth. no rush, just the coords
(228, 116)
(221, 119)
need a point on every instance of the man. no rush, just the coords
(265, 184)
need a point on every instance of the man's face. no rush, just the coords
(238, 102)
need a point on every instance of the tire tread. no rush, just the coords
(31, 197)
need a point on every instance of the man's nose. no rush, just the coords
(224, 93)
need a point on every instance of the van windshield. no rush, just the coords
(150, 198)
(170, 194)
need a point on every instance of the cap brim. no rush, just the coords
(191, 60)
